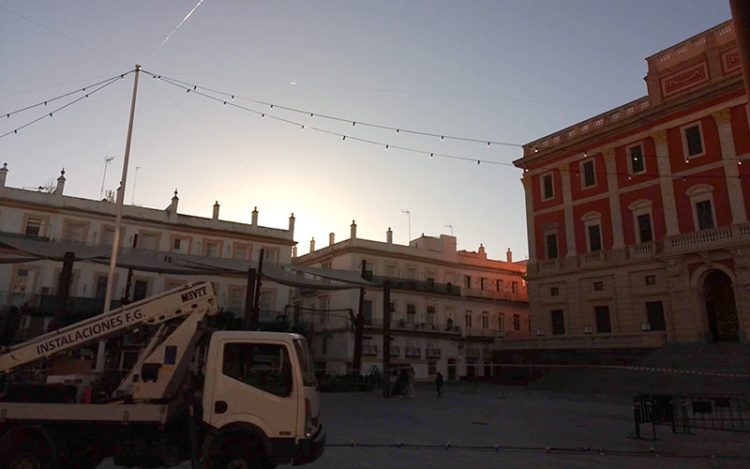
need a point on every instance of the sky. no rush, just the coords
(506, 71)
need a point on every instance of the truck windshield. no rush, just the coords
(305, 362)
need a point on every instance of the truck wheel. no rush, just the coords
(30, 453)
(237, 450)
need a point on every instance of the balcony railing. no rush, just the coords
(642, 250)
(473, 353)
(643, 340)
(413, 352)
(433, 352)
(403, 325)
(707, 238)
(595, 257)
(419, 285)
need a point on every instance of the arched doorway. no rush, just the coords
(721, 307)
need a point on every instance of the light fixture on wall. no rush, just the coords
(540, 332)
(645, 326)
(587, 330)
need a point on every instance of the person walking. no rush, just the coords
(439, 384)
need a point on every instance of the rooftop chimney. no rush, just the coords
(389, 236)
(216, 210)
(331, 238)
(482, 251)
(172, 208)
(353, 232)
(3, 174)
(294, 251)
(255, 217)
(509, 256)
(291, 224)
(60, 183)
(312, 245)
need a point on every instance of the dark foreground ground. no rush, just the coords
(521, 421)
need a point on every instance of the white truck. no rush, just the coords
(215, 398)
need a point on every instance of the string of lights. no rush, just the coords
(51, 113)
(342, 136)
(65, 95)
(354, 122)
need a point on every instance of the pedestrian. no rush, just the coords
(439, 384)
(411, 378)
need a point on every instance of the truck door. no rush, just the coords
(254, 383)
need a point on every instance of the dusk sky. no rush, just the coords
(505, 71)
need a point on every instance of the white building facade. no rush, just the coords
(447, 306)
(58, 218)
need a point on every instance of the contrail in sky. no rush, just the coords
(175, 29)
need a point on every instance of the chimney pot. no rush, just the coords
(255, 216)
(3, 174)
(509, 256)
(389, 236)
(353, 231)
(291, 224)
(60, 183)
(216, 210)
(331, 238)
(312, 245)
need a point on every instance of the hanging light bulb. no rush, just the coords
(195, 87)
(353, 123)
(442, 137)
(225, 103)
(262, 115)
(432, 155)
(489, 143)
(585, 154)
(302, 127)
(478, 162)
(343, 137)
(312, 115)
(387, 146)
(397, 131)
(232, 97)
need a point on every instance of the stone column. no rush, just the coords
(731, 170)
(570, 235)
(665, 182)
(528, 188)
(618, 241)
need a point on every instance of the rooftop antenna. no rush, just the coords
(408, 214)
(107, 161)
(451, 227)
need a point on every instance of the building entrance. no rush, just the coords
(721, 308)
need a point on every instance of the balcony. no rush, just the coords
(370, 350)
(717, 237)
(419, 285)
(491, 294)
(473, 353)
(642, 250)
(433, 352)
(413, 352)
(596, 257)
(642, 340)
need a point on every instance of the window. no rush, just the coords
(430, 315)
(704, 215)
(655, 314)
(588, 176)
(692, 139)
(500, 322)
(467, 281)
(467, 318)
(430, 280)
(181, 244)
(482, 283)
(516, 322)
(485, 320)
(645, 233)
(75, 232)
(603, 323)
(24, 280)
(212, 248)
(514, 287)
(635, 159)
(431, 368)
(236, 299)
(598, 286)
(558, 322)
(411, 312)
(33, 226)
(498, 285)
(271, 255)
(368, 270)
(242, 251)
(367, 312)
(390, 270)
(411, 273)
(100, 291)
(554, 291)
(594, 233)
(548, 190)
(550, 241)
(649, 279)
(263, 366)
(148, 241)
(140, 290)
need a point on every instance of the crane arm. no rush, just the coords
(198, 297)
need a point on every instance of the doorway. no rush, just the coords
(721, 309)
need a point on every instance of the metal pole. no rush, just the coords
(358, 329)
(386, 339)
(741, 20)
(63, 288)
(250, 321)
(258, 286)
(118, 220)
